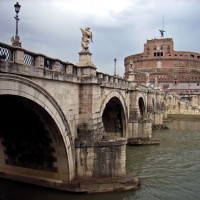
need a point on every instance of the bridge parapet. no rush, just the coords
(50, 66)
(107, 80)
(22, 56)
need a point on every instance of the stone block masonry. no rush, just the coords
(87, 117)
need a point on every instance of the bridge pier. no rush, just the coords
(158, 111)
(140, 133)
(101, 162)
(158, 120)
(101, 166)
(140, 120)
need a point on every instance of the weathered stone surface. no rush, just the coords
(102, 158)
(89, 110)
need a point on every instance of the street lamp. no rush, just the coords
(16, 41)
(115, 60)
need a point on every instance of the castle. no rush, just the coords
(177, 71)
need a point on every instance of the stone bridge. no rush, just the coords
(67, 125)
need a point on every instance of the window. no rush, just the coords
(158, 54)
(168, 49)
(148, 49)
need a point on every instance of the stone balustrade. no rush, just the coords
(28, 58)
(88, 74)
(109, 80)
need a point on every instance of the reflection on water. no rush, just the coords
(168, 171)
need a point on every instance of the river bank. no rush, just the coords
(183, 117)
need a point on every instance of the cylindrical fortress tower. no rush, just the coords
(174, 70)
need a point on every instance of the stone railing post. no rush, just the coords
(79, 71)
(69, 69)
(56, 65)
(39, 61)
(106, 78)
(19, 56)
(100, 76)
(116, 80)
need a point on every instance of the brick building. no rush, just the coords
(173, 70)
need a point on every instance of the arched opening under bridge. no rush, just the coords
(141, 108)
(114, 118)
(30, 141)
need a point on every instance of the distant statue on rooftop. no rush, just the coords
(86, 38)
(147, 77)
(162, 33)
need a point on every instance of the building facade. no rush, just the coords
(160, 64)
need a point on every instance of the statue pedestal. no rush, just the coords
(86, 68)
(131, 76)
(85, 59)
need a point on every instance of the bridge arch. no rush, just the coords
(142, 105)
(141, 108)
(114, 114)
(26, 104)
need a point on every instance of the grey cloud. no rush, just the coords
(57, 34)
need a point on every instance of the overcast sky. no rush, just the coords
(120, 27)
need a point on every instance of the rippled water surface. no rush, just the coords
(169, 171)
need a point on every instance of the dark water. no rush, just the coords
(169, 171)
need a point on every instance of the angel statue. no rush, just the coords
(162, 33)
(86, 36)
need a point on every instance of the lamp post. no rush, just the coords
(16, 40)
(115, 60)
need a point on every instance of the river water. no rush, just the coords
(169, 171)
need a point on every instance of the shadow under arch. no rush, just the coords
(141, 108)
(114, 115)
(33, 112)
